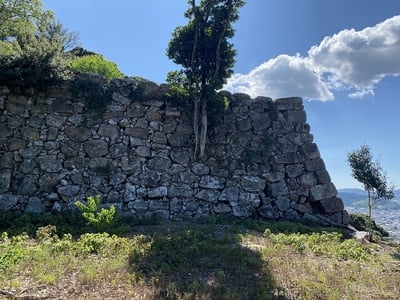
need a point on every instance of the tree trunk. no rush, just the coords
(197, 84)
(204, 124)
(369, 217)
(196, 126)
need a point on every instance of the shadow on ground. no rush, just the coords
(207, 263)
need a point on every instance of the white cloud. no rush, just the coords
(283, 76)
(349, 60)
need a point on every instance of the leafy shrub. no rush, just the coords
(11, 251)
(15, 223)
(360, 222)
(96, 64)
(323, 243)
(101, 243)
(39, 65)
(94, 94)
(177, 95)
(47, 233)
(100, 219)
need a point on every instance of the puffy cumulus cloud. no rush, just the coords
(349, 60)
(283, 76)
(360, 59)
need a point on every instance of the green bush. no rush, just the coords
(96, 64)
(38, 65)
(100, 219)
(12, 250)
(360, 222)
(329, 244)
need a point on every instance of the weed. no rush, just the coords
(204, 260)
(325, 243)
(12, 251)
(100, 219)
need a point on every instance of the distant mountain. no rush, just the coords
(353, 191)
(353, 197)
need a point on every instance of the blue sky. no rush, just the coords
(342, 57)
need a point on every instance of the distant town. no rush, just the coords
(386, 212)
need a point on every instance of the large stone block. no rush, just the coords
(181, 157)
(96, 148)
(6, 160)
(55, 120)
(5, 181)
(68, 191)
(294, 170)
(180, 191)
(178, 139)
(35, 206)
(208, 195)
(277, 189)
(269, 212)
(230, 194)
(5, 131)
(78, 134)
(159, 163)
(332, 205)
(8, 201)
(158, 192)
(26, 185)
(210, 182)
(109, 130)
(118, 150)
(322, 191)
(252, 183)
(49, 163)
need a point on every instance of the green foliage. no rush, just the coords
(371, 175)
(178, 90)
(22, 20)
(360, 222)
(205, 260)
(202, 48)
(12, 251)
(323, 243)
(96, 95)
(100, 219)
(217, 106)
(177, 95)
(207, 256)
(100, 243)
(40, 64)
(17, 223)
(32, 45)
(47, 233)
(96, 64)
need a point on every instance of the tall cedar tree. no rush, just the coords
(370, 174)
(201, 47)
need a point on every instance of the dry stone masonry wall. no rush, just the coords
(261, 159)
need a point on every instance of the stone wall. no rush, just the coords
(261, 159)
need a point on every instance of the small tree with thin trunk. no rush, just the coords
(201, 47)
(371, 175)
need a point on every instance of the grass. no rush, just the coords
(205, 259)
